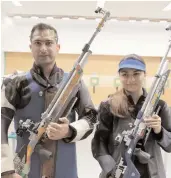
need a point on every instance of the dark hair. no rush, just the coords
(119, 104)
(41, 27)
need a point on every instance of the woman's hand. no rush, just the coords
(154, 122)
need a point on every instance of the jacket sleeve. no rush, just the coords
(87, 116)
(14, 88)
(7, 113)
(101, 137)
(164, 138)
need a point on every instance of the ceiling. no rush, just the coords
(118, 9)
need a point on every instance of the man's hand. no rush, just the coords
(59, 131)
(154, 122)
(15, 175)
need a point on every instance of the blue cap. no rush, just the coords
(132, 63)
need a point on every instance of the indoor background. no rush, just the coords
(134, 27)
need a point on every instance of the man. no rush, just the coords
(27, 96)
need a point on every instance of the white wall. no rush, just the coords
(148, 39)
(88, 167)
(117, 38)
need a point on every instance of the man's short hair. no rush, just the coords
(41, 27)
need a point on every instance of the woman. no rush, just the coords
(116, 117)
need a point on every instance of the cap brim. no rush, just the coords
(132, 67)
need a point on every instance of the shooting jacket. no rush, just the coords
(107, 150)
(24, 97)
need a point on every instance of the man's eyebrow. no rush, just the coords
(42, 40)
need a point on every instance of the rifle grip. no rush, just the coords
(142, 156)
(43, 153)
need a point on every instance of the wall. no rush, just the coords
(116, 38)
(2, 63)
(102, 66)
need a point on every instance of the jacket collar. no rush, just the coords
(55, 77)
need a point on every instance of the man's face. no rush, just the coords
(44, 47)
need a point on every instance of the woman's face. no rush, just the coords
(132, 79)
